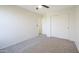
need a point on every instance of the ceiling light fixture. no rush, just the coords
(39, 6)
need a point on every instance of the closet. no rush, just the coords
(56, 26)
(59, 26)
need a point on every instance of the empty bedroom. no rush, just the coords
(39, 28)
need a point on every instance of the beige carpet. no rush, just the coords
(53, 45)
(43, 45)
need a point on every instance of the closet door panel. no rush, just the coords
(59, 26)
(46, 26)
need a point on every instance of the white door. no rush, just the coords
(56, 26)
(46, 26)
(60, 26)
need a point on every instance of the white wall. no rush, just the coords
(77, 26)
(16, 25)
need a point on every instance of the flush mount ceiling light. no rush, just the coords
(40, 6)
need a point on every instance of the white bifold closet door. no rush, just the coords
(56, 26)
(59, 26)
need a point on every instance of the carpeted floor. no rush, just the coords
(43, 45)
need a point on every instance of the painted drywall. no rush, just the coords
(77, 26)
(16, 25)
(60, 24)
